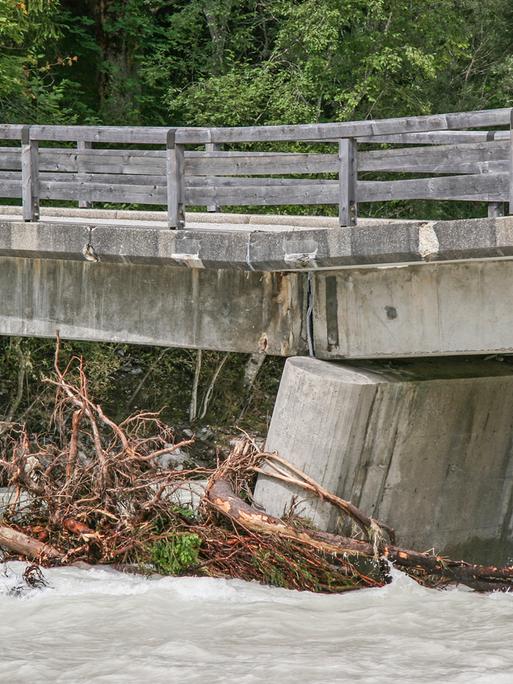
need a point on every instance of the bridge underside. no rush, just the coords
(241, 283)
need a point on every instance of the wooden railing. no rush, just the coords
(202, 167)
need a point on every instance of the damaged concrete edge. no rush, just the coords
(429, 247)
(308, 249)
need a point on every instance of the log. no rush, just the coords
(221, 496)
(21, 543)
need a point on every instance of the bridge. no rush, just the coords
(157, 236)
(267, 282)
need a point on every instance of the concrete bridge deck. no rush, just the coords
(254, 242)
(276, 284)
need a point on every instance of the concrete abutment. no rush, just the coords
(425, 445)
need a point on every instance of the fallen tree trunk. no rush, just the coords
(20, 543)
(223, 499)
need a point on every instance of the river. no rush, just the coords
(102, 626)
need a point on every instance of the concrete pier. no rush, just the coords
(425, 446)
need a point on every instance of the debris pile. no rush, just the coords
(100, 492)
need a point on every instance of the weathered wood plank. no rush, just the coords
(10, 189)
(486, 187)
(175, 156)
(467, 158)
(82, 146)
(107, 178)
(100, 161)
(10, 158)
(261, 163)
(101, 192)
(510, 189)
(29, 176)
(320, 192)
(86, 178)
(347, 179)
(238, 181)
(421, 160)
(209, 147)
(160, 181)
(437, 137)
(330, 131)
(103, 134)
(483, 187)
(11, 131)
(196, 163)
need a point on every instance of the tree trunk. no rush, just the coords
(481, 578)
(17, 542)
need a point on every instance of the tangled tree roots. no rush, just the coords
(97, 493)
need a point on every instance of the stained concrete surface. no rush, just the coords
(158, 305)
(426, 447)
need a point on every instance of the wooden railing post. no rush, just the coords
(510, 206)
(82, 145)
(29, 176)
(213, 147)
(347, 176)
(175, 182)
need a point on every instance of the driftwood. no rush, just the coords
(22, 544)
(481, 578)
(279, 468)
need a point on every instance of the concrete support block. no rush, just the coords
(425, 446)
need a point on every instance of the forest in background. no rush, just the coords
(229, 62)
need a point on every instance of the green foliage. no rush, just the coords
(266, 61)
(267, 564)
(318, 60)
(227, 62)
(272, 565)
(176, 554)
(29, 36)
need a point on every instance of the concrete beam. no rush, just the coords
(436, 309)
(157, 305)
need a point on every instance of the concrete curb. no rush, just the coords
(270, 246)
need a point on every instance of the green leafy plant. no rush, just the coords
(176, 554)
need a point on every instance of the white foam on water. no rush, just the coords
(101, 626)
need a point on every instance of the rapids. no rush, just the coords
(102, 626)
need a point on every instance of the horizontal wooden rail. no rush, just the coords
(467, 158)
(141, 135)
(350, 129)
(163, 166)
